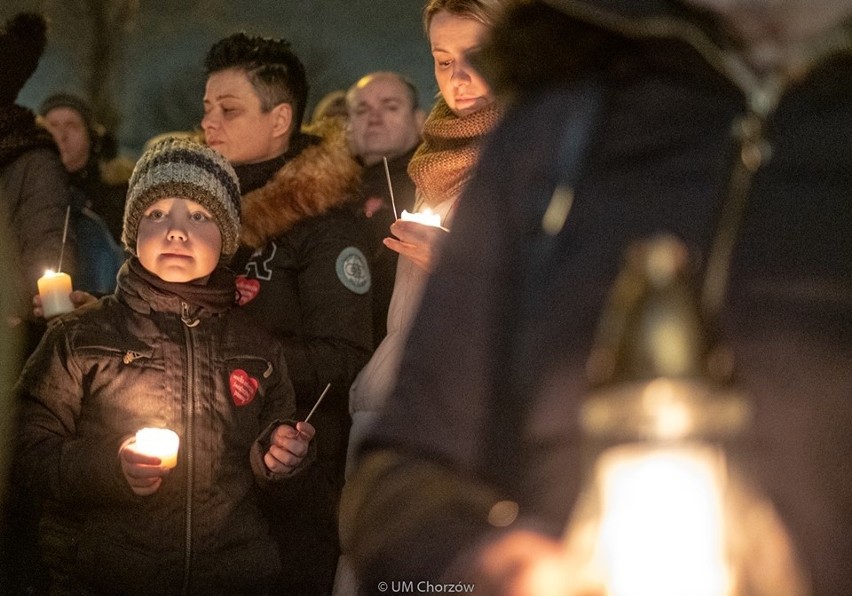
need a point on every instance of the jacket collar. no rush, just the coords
(322, 176)
(145, 293)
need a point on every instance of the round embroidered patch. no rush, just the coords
(353, 271)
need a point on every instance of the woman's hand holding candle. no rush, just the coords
(78, 298)
(288, 447)
(419, 242)
(54, 290)
(425, 217)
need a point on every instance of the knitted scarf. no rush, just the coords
(19, 133)
(444, 161)
(216, 296)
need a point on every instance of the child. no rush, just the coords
(166, 350)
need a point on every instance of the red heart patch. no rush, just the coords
(243, 387)
(247, 288)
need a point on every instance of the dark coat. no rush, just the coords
(35, 195)
(141, 358)
(487, 402)
(304, 276)
(374, 187)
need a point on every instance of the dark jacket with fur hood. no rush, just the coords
(302, 270)
(303, 273)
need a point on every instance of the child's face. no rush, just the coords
(178, 241)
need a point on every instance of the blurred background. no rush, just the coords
(139, 62)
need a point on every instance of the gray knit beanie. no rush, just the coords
(184, 169)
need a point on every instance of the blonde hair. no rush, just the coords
(486, 12)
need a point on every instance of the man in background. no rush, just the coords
(88, 153)
(385, 121)
(97, 198)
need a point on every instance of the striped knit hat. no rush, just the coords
(184, 169)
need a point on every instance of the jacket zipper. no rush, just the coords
(189, 421)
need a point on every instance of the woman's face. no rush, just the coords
(452, 38)
(234, 123)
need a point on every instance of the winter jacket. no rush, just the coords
(305, 277)
(99, 257)
(374, 383)
(34, 196)
(303, 270)
(145, 357)
(487, 404)
(374, 187)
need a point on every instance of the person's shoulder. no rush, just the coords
(93, 323)
(39, 157)
(100, 314)
(338, 225)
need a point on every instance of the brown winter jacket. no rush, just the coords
(144, 357)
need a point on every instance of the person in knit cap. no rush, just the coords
(166, 350)
(89, 154)
(96, 204)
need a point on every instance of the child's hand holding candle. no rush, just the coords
(54, 289)
(158, 442)
(78, 298)
(147, 457)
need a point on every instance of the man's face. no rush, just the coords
(382, 119)
(71, 135)
(234, 123)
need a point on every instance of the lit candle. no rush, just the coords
(426, 217)
(158, 442)
(55, 289)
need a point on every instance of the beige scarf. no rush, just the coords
(444, 162)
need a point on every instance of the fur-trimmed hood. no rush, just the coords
(324, 175)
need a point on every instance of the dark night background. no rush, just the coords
(139, 61)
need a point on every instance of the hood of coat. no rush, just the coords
(543, 42)
(323, 176)
(768, 33)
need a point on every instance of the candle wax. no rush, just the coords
(54, 290)
(158, 442)
(427, 218)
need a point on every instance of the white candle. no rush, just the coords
(159, 442)
(55, 290)
(425, 217)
